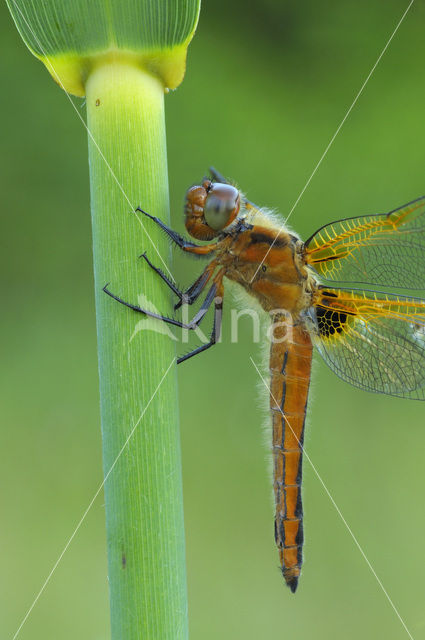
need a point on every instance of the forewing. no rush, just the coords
(386, 249)
(374, 341)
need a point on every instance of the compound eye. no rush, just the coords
(221, 206)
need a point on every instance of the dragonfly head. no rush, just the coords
(210, 208)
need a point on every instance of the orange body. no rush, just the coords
(284, 286)
(290, 368)
(375, 340)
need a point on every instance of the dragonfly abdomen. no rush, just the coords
(290, 367)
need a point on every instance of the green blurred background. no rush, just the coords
(266, 87)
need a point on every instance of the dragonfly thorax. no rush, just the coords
(270, 266)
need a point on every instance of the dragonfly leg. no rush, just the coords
(194, 291)
(216, 330)
(195, 322)
(163, 277)
(180, 241)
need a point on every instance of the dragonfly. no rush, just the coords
(334, 292)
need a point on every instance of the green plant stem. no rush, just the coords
(143, 493)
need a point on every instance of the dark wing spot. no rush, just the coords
(330, 321)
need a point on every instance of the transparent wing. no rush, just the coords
(385, 249)
(372, 340)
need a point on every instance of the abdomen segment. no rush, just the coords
(290, 368)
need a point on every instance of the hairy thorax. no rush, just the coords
(270, 267)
